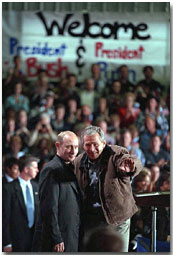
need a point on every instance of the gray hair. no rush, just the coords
(91, 130)
(60, 136)
(44, 115)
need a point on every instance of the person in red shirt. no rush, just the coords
(128, 113)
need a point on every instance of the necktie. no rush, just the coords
(29, 207)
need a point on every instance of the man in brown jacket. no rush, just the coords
(104, 174)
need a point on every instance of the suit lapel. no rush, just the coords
(36, 198)
(20, 197)
(74, 187)
(35, 192)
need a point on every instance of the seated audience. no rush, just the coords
(149, 85)
(9, 130)
(58, 122)
(155, 154)
(114, 97)
(22, 128)
(141, 182)
(88, 96)
(155, 111)
(42, 129)
(86, 115)
(17, 100)
(126, 85)
(72, 112)
(128, 113)
(114, 127)
(102, 110)
(150, 130)
(126, 141)
(103, 125)
(99, 84)
(155, 174)
(15, 148)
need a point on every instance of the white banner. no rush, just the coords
(69, 42)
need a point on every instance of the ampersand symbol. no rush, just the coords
(81, 49)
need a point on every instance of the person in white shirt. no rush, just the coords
(19, 207)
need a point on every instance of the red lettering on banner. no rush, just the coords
(54, 70)
(125, 53)
(32, 67)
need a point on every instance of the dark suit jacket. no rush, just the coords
(15, 229)
(4, 180)
(59, 210)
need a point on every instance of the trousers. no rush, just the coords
(124, 230)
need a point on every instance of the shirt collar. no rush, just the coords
(9, 178)
(23, 182)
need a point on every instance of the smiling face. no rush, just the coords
(93, 146)
(68, 148)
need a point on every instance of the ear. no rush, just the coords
(57, 145)
(25, 170)
(104, 142)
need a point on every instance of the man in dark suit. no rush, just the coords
(11, 170)
(19, 207)
(59, 222)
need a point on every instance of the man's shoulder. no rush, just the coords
(53, 168)
(54, 162)
(117, 149)
(78, 159)
(10, 187)
(34, 183)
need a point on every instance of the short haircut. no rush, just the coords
(71, 75)
(59, 106)
(120, 67)
(16, 139)
(16, 57)
(91, 130)
(60, 136)
(148, 67)
(10, 162)
(26, 161)
(164, 177)
(103, 239)
(45, 115)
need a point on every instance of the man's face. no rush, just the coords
(116, 86)
(68, 149)
(155, 143)
(126, 139)
(13, 171)
(33, 170)
(93, 146)
(72, 81)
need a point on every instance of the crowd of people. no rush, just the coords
(136, 117)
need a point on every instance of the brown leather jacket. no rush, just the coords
(115, 190)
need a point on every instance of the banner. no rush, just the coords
(71, 42)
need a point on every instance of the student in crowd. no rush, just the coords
(17, 100)
(155, 154)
